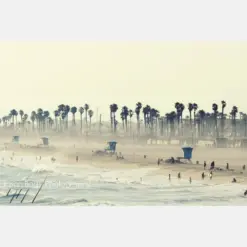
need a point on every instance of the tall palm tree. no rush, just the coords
(130, 115)
(56, 115)
(86, 108)
(215, 110)
(73, 111)
(201, 114)
(245, 124)
(195, 107)
(146, 111)
(125, 112)
(90, 114)
(113, 110)
(33, 118)
(137, 111)
(223, 105)
(190, 108)
(233, 113)
(81, 111)
(14, 114)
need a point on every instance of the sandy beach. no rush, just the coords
(65, 152)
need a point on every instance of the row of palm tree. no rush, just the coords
(198, 122)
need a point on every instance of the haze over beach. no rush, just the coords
(99, 73)
(152, 98)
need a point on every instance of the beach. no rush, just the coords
(134, 180)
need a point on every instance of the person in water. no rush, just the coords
(245, 193)
(203, 175)
(190, 180)
(211, 175)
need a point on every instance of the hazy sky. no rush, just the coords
(46, 74)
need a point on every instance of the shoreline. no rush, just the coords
(134, 160)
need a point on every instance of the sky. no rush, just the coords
(45, 74)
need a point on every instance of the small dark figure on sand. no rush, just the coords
(205, 165)
(197, 162)
(145, 156)
(227, 166)
(234, 180)
(179, 175)
(190, 180)
(203, 175)
(212, 166)
(211, 175)
(77, 158)
(245, 193)
(172, 160)
(169, 176)
(243, 167)
(158, 162)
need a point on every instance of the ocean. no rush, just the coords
(86, 185)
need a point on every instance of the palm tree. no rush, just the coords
(56, 114)
(137, 111)
(125, 112)
(190, 108)
(201, 115)
(33, 118)
(73, 111)
(146, 111)
(14, 114)
(195, 107)
(215, 110)
(81, 111)
(223, 105)
(46, 114)
(130, 115)
(90, 114)
(86, 108)
(233, 113)
(113, 110)
(244, 117)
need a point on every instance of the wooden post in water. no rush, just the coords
(39, 190)
(24, 196)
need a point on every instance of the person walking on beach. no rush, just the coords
(179, 175)
(190, 180)
(158, 162)
(243, 167)
(211, 175)
(227, 166)
(203, 176)
(205, 164)
(169, 176)
(212, 166)
(77, 158)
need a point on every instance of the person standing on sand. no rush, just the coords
(203, 175)
(190, 180)
(227, 166)
(243, 167)
(158, 161)
(77, 158)
(211, 175)
(169, 176)
(179, 175)
(204, 165)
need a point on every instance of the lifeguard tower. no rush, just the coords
(15, 139)
(111, 148)
(187, 154)
(45, 141)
